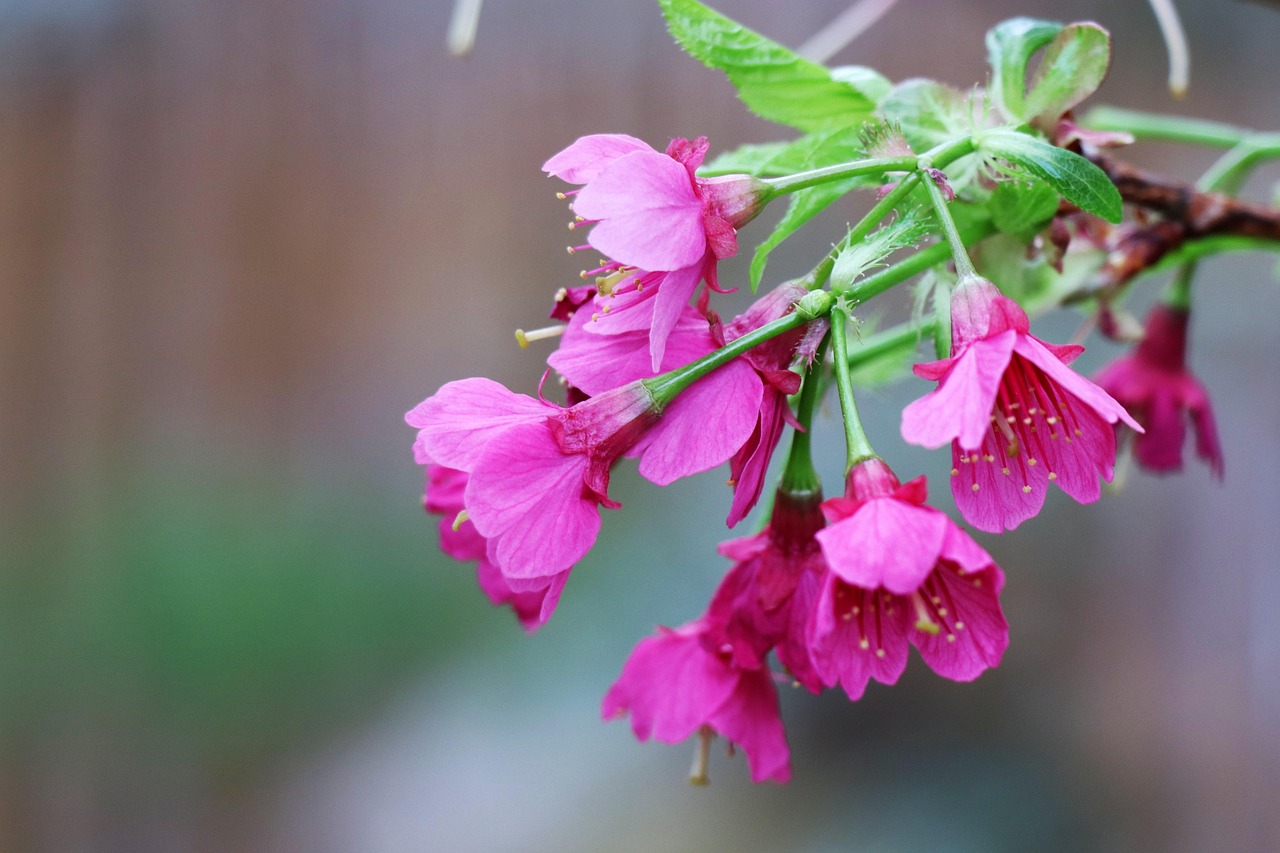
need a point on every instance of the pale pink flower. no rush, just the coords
(444, 497)
(1154, 384)
(1016, 416)
(901, 572)
(672, 686)
(663, 227)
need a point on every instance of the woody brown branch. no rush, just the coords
(1187, 213)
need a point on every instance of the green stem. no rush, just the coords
(885, 343)
(664, 388)
(826, 174)
(799, 475)
(1168, 128)
(818, 276)
(964, 266)
(877, 283)
(857, 447)
(939, 156)
(1178, 294)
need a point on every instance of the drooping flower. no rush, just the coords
(1154, 384)
(672, 686)
(750, 465)
(765, 600)
(460, 540)
(661, 225)
(1016, 416)
(901, 572)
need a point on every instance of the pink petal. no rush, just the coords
(750, 719)
(589, 155)
(527, 497)
(749, 474)
(886, 543)
(961, 405)
(460, 420)
(670, 686)
(669, 306)
(598, 363)
(650, 216)
(856, 635)
(959, 548)
(703, 426)
(1073, 383)
(1001, 501)
(973, 633)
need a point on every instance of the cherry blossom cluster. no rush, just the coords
(835, 589)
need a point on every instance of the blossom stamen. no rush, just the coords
(523, 338)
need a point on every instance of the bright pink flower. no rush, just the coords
(750, 465)
(901, 572)
(1016, 416)
(705, 425)
(765, 600)
(1153, 382)
(663, 226)
(672, 687)
(539, 472)
(444, 497)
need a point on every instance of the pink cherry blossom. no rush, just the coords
(750, 465)
(444, 497)
(765, 601)
(901, 572)
(1016, 416)
(663, 227)
(1154, 384)
(538, 473)
(672, 686)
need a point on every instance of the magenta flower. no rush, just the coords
(1154, 383)
(672, 686)
(901, 572)
(444, 497)
(765, 600)
(663, 226)
(539, 473)
(750, 465)
(705, 425)
(1016, 416)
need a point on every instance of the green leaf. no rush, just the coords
(1079, 181)
(1010, 46)
(1072, 68)
(927, 112)
(805, 204)
(774, 159)
(1023, 208)
(866, 80)
(774, 82)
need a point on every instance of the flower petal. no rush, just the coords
(589, 155)
(886, 543)
(650, 216)
(704, 426)
(527, 497)
(459, 421)
(961, 405)
(973, 633)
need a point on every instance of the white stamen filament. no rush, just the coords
(523, 337)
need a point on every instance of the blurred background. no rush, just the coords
(240, 238)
